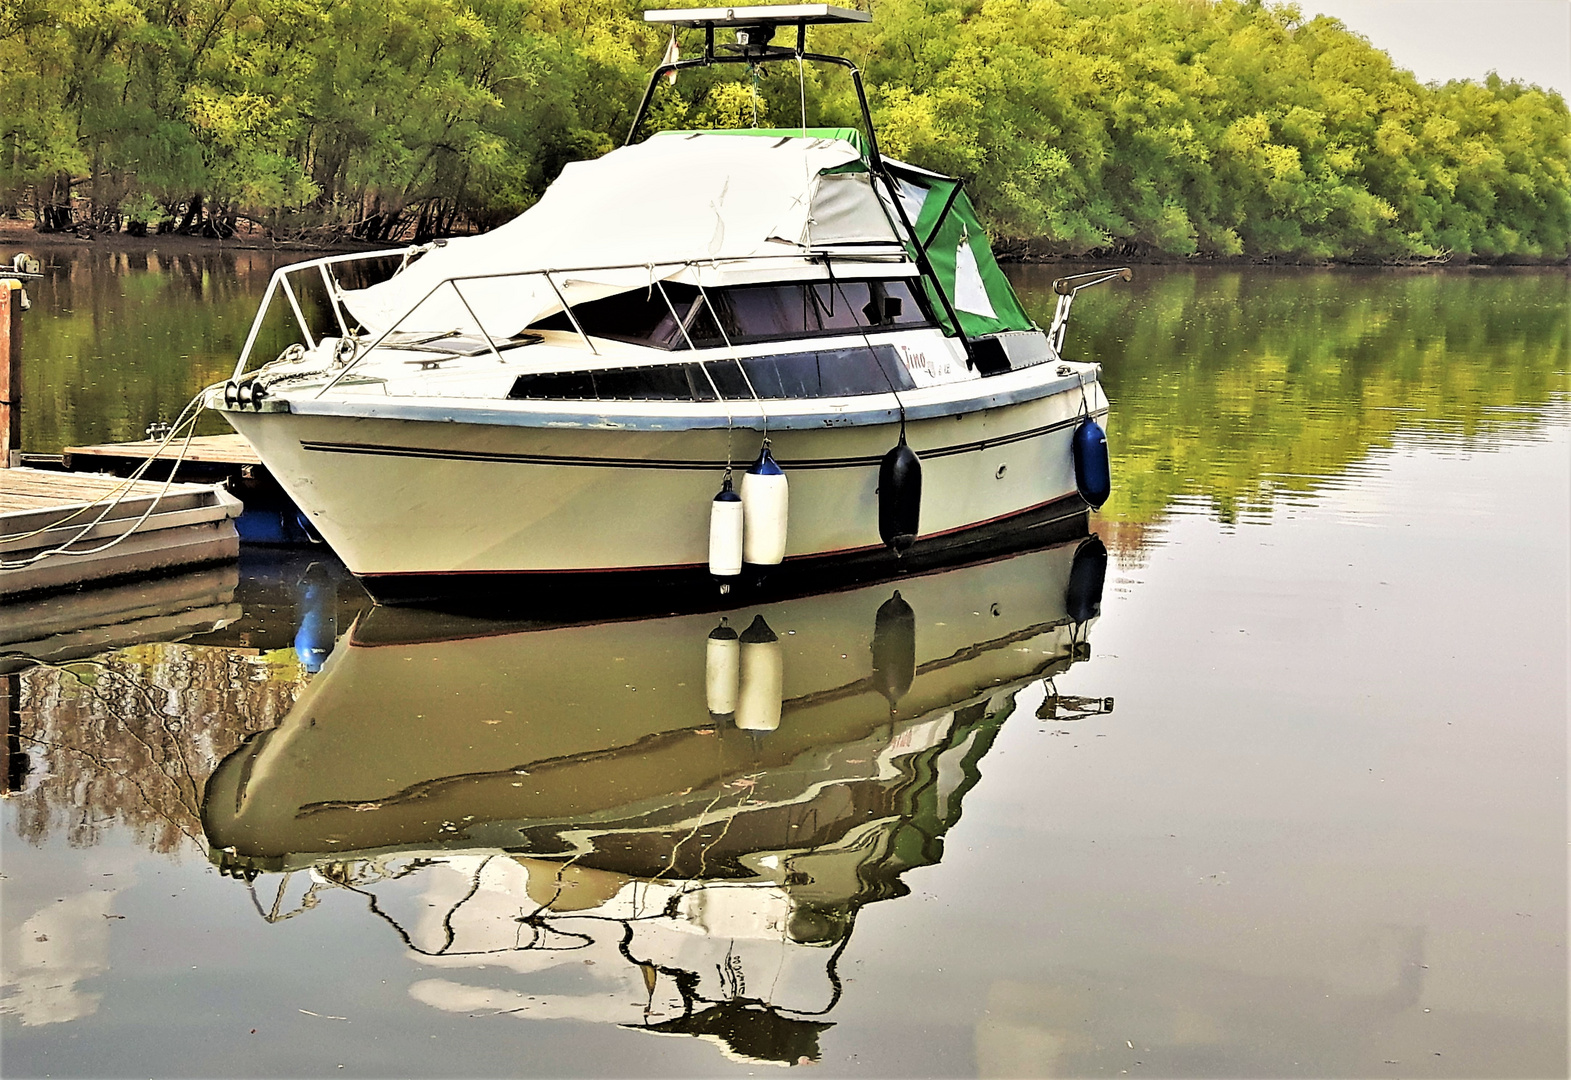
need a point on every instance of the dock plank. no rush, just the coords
(39, 489)
(209, 449)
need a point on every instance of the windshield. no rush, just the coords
(746, 313)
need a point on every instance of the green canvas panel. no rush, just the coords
(942, 240)
(938, 192)
(946, 216)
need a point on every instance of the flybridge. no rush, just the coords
(754, 27)
(772, 15)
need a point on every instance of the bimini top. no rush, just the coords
(648, 211)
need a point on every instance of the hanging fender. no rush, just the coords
(899, 497)
(765, 507)
(725, 532)
(1093, 473)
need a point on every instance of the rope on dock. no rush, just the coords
(186, 421)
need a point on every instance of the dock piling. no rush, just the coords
(10, 372)
(17, 764)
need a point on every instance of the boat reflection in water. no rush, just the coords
(698, 804)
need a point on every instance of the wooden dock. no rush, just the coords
(191, 525)
(226, 455)
(271, 517)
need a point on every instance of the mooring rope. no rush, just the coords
(183, 421)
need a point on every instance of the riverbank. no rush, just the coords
(1030, 252)
(20, 235)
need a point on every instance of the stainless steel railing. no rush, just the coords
(280, 283)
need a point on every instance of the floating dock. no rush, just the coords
(190, 525)
(228, 457)
(270, 517)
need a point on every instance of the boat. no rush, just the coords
(761, 360)
(750, 780)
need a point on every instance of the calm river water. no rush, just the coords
(1291, 802)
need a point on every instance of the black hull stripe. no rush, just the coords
(664, 463)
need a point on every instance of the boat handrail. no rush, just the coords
(279, 281)
(1067, 289)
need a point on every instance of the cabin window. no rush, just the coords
(747, 313)
(824, 373)
(640, 316)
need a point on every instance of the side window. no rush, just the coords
(747, 313)
(839, 304)
(657, 382)
(555, 386)
(845, 372)
(701, 325)
(760, 312)
(895, 303)
(792, 376)
(727, 375)
(772, 312)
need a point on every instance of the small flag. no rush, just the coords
(672, 55)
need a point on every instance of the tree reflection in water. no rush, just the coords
(100, 736)
(130, 737)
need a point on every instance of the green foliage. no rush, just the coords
(1215, 128)
(383, 115)
(1186, 127)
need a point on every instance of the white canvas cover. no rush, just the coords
(649, 208)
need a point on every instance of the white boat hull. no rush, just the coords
(401, 498)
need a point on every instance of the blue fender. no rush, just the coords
(1093, 472)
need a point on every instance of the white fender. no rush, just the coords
(763, 678)
(725, 532)
(722, 670)
(765, 505)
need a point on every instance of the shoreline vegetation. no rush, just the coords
(1157, 131)
(20, 235)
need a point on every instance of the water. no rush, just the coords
(1291, 802)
